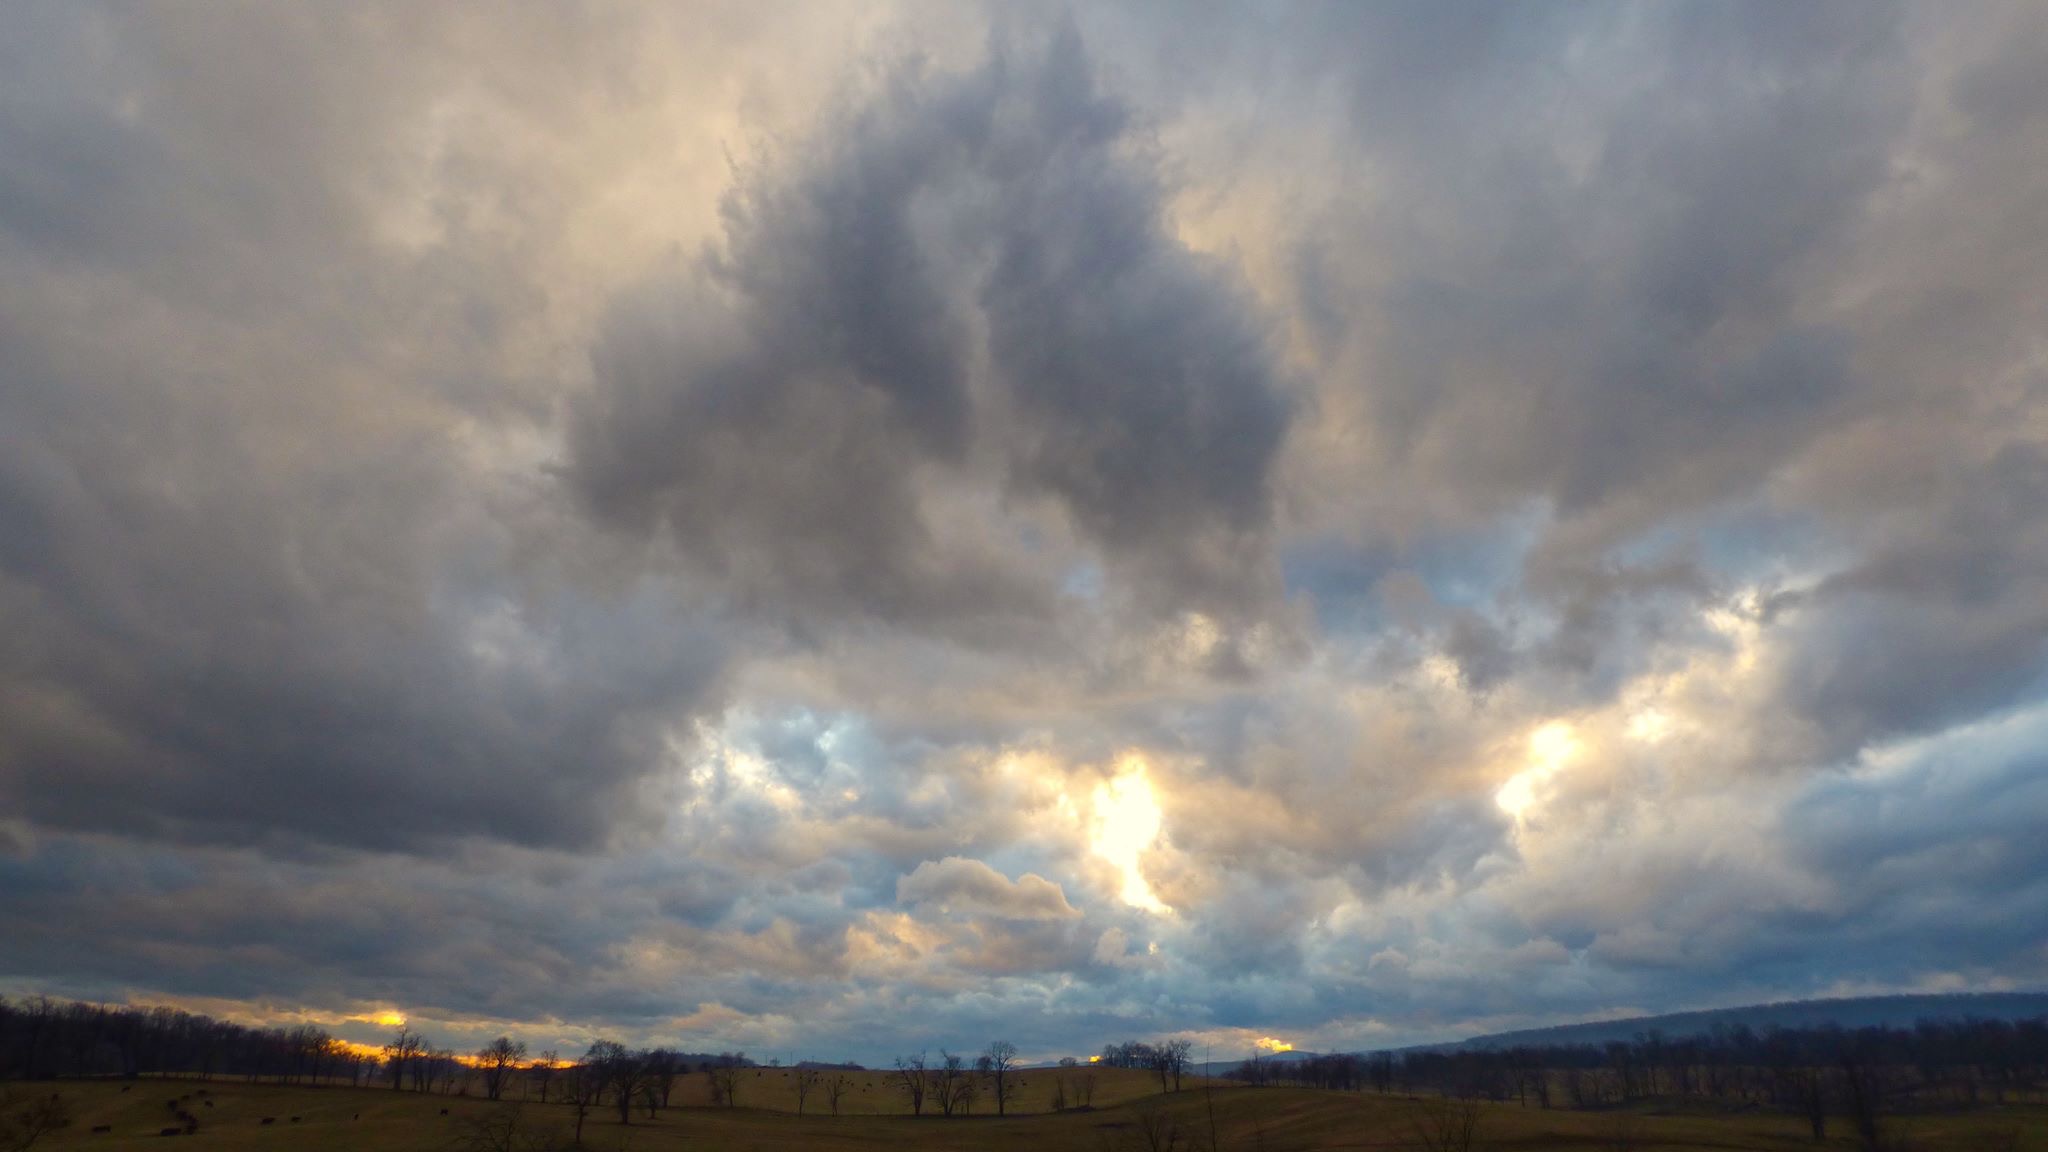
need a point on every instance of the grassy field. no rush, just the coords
(1127, 1113)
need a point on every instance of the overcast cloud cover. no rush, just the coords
(834, 530)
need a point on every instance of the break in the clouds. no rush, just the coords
(841, 531)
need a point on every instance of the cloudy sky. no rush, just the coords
(840, 529)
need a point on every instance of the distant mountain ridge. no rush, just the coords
(1852, 1012)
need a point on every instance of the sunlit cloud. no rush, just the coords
(1126, 824)
(1551, 748)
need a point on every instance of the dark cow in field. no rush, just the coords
(172, 1132)
(98, 1129)
(270, 1119)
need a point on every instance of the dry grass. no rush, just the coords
(1128, 1110)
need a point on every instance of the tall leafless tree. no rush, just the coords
(837, 1085)
(403, 1052)
(1001, 1058)
(583, 1088)
(620, 1071)
(663, 1066)
(25, 1121)
(807, 1080)
(724, 1074)
(1173, 1056)
(946, 1079)
(1443, 1125)
(543, 1070)
(497, 1060)
(910, 1080)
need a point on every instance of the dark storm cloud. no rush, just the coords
(790, 407)
(1590, 281)
(1943, 619)
(251, 588)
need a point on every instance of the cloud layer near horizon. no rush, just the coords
(1348, 524)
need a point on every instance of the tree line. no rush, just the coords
(42, 1039)
(1860, 1073)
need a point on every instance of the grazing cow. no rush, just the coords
(172, 1132)
(99, 1128)
(444, 1111)
(295, 1119)
(270, 1119)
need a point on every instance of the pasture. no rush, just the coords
(1129, 1113)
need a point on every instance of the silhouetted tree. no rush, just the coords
(910, 1080)
(806, 1080)
(402, 1053)
(1002, 1060)
(837, 1085)
(497, 1059)
(27, 1120)
(618, 1070)
(543, 1071)
(724, 1074)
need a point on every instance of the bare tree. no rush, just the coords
(1157, 1060)
(619, 1070)
(1810, 1090)
(1002, 1060)
(910, 1080)
(507, 1130)
(1861, 1092)
(1154, 1128)
(969, 1086)
(1084, 1088)
(945, 1082)
(1173, 1060)
(837, 1085)
(663, 1066)
(1209, 1099)
(543, 1070)
(724, 1074)
(25, 1121)
(497, 1059)
(402, 1053)
(807, 1079)
(1444, 1125)
(584, 1089)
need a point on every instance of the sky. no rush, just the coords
(835, 530)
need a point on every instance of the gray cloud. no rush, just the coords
(1550, 500)
(258, 591)
(972, 886)
(963, 282)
